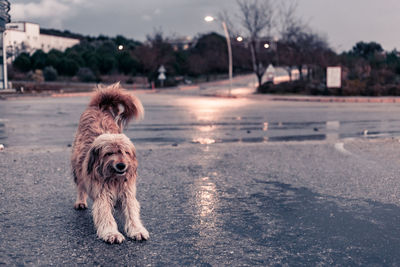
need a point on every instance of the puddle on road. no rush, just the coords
(2, 131)
(248, 130)
(255, 130)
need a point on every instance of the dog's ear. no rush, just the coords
(133, 151)
(93, 156)
(134, 163)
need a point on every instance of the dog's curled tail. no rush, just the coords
(122, 105)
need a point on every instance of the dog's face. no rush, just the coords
(112, 156)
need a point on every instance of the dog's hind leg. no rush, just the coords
(81, 198)
(133, 226)
(104, 221)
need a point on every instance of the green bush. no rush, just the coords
(38, 59)
(50, 73)
(68, 67)
(126, 64)
(106, 64)
(23, 62)
(86, 75)
(293, 87)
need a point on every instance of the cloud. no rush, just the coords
(149, 17)
(157, 11)
(54, 12)
(146, 17)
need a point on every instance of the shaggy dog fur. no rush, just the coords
(104, 163)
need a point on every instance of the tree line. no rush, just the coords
(96, 57)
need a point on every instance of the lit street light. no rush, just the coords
(239, 38)
(209, 18)
(266, 45)
(120, 47)
(228, 42)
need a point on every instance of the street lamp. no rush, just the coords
(228, 43)
(120, 47)
(209, 18)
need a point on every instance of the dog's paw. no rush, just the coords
(114, 238)
(138, 233)
(80, 206)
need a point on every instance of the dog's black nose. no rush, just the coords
(120, 166)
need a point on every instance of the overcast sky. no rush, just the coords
(343, 22)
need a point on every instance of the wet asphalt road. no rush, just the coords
(222, 182)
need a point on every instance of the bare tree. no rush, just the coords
(289, 22)
(290, 29)
(225, 17)
(299, 46)
(257, 18)
(154, 53)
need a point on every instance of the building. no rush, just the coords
(26, 37)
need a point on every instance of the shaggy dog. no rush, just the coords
(104, 163)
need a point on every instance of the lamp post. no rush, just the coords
(228, 43)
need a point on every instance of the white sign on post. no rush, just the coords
(334, 77)
(162, 76)
(270, 72)
(162, 69)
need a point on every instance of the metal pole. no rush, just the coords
(228, 42)
(5, 74)
(4, 19)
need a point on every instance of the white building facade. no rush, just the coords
(26, 37)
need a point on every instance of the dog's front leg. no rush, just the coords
(133, 226)
(81, 202)
(104, 221)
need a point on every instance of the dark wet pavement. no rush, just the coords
(187, 119)
(223, 182)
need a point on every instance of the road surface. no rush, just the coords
(222, 182)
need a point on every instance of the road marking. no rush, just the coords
(340, 147)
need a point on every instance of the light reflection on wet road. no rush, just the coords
(206, 120)
(255, 130)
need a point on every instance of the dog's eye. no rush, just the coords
(127, 152)
(108, 154)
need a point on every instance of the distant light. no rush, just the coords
(239, 38)
(209, 18)
(266, 46)
(120, 47)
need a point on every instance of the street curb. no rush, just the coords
(339, 99)
(293, 98)
(313, 98)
